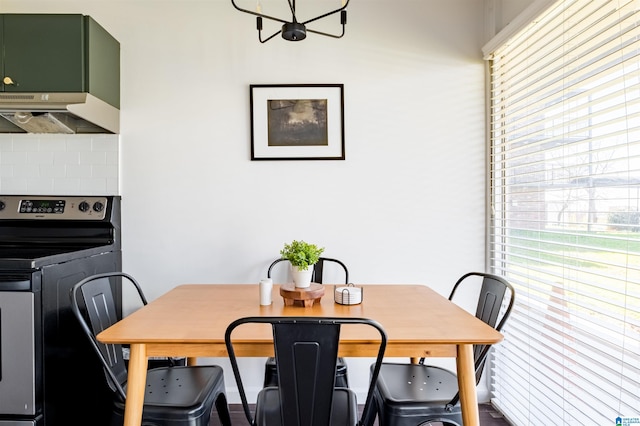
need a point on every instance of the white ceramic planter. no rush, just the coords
(302, 279)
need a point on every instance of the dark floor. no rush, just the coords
(488, 417)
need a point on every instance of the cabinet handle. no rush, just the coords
(7, 80)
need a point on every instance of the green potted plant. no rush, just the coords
(302, 255)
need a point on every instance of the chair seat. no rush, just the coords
(180, 396)
(344, 408)
(408, 393)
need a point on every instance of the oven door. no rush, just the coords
(18, 381)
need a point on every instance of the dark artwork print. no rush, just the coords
(297, 122)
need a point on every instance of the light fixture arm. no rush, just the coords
(294, 30)
(262, 15)
(343, 21)
(340, 9)
(259, 27)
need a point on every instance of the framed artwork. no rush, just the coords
(297, 122)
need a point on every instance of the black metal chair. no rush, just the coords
(175, 395)
(306, 348)
(270, 371)
(415, 394)
(318, 269)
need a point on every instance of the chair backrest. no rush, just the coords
(495, 302)
(318, 269)
(306, 350)
(93, 305)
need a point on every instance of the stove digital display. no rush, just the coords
(42, 206)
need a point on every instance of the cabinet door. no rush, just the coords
(43, 53)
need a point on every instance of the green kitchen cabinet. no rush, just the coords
(59, 53)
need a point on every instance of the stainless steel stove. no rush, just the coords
(48, 373)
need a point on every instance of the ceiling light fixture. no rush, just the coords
(293, 30)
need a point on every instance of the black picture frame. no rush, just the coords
(297, 122)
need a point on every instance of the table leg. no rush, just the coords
(136, 382)
(467, 386)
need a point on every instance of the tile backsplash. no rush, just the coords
(46, 164)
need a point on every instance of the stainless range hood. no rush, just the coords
(59, 73)
(57, 113)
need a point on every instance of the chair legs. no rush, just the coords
(222, 407)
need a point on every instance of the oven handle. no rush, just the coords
(13, 283)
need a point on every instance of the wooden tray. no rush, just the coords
(306, 297)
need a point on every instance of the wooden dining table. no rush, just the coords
(190, 321)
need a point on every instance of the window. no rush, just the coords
(565, 225)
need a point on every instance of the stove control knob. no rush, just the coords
(1, 205)
(83, 206)
(98, 206)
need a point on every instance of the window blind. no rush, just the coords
(565, 216)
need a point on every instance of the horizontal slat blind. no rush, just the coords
(565, 225)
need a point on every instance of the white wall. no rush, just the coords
(406, 206)
(499, 13)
